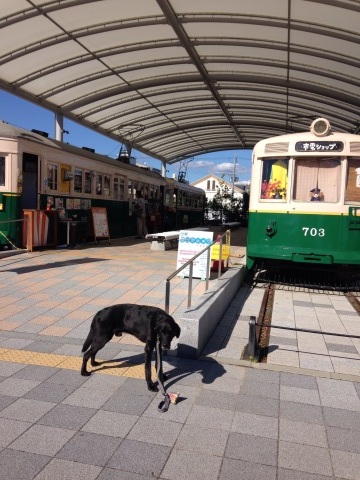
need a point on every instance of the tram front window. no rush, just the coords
(317, 179)
(274, 179)
(352, 193)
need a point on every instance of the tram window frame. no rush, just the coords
(169, 194)
(273, 189)
(179, 198)
(352, 188)
(146, 188)
(118, 187)
(156, 192)
(313, 179)
(78, 180)
(131, 190)
(88, 176)
(2, 171)
(52, 176)
(99, 184)
(151, 191)
(106, 185)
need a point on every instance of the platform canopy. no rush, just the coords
(178, 78)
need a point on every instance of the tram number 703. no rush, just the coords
(313, 232)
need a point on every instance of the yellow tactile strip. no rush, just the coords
(121, 369)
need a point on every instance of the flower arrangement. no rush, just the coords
(272, 190)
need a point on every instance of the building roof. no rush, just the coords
(178, 78)
(211, 176)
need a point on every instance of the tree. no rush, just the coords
(225, 207)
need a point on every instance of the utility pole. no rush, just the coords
(233, 175)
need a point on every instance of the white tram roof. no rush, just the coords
(8, 131)
(323, 144)
(185, 77)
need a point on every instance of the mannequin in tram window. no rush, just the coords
(316, 195)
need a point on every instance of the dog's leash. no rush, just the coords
(168, 397)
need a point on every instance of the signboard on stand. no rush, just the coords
(100, 222)
(192, 242)
(225, 252)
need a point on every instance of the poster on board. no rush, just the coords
(192, 242)
(100, 222)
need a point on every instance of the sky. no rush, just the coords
(22, 113)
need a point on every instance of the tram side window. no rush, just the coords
(274, 179)
(146, 191)
(106, 185)
(52, 176)
(168, 196)
(78, 180)
(2, 171)
(99, 184)
(152, 196)
(178, 201)
(353, 180)
(317, 179)
(119, 188)
(87, 182)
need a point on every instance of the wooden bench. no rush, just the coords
(166, 240)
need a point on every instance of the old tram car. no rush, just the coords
(184, 205)
(305, 200)
(39, 173)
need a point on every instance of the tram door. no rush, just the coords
(29, 182)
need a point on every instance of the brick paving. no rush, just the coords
(232, 421)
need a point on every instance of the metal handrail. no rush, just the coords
(190, 263)
(253, 346)
(11, 221)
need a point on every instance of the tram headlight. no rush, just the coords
(271, 228)
(320, 127)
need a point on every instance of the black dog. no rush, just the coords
(146, 323)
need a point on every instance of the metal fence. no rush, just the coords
(253, 345)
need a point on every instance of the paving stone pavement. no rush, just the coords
(232, 421)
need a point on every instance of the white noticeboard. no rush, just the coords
(192, 242)
(100, 222)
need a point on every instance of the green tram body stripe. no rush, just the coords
(297, 212)
(295, 237)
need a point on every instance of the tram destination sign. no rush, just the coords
(319, 146)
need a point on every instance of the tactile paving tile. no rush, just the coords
(17, 356)
(118, 369)
(47, 359)
(138, 371)
(71, 363)
(122, 369)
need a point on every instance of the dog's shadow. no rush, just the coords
(181, 369)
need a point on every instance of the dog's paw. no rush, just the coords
(152, 387)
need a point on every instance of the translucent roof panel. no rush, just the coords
(178, 78)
